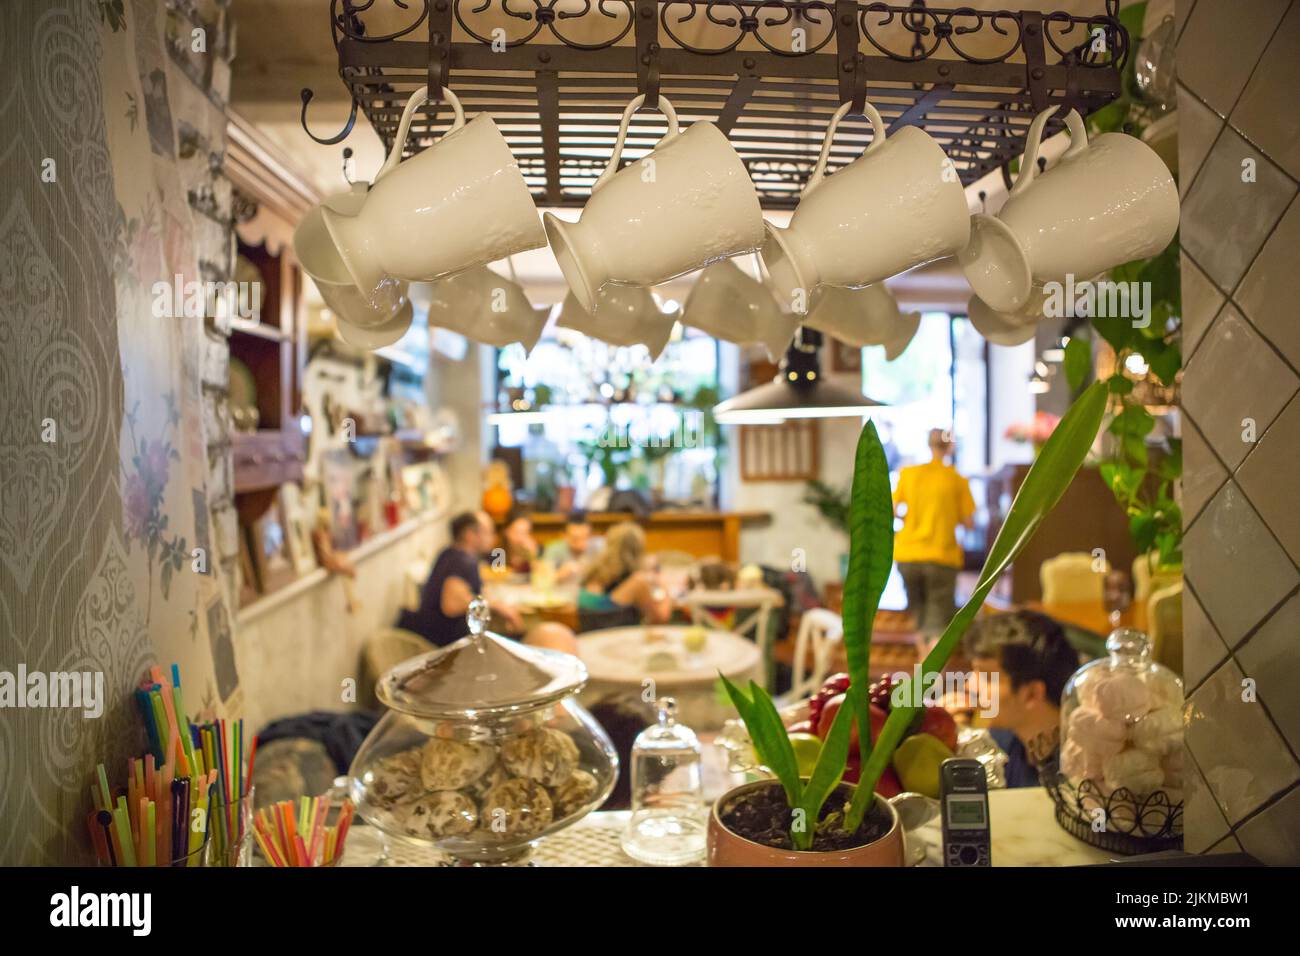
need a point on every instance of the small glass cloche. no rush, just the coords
(1122, 733)
(484, 749)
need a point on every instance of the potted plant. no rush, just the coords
(817, 819)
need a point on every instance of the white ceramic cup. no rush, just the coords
(729, 304)
(898, 205)
(624, 316)
(483, 306)
(859, 317)
(902, 338)
(1102, 204)
(689, 202)
(999, 328)
(460, 203)
(376, 336)
(320, 259)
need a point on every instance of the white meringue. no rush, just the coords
(1135, 770)
(1122, 695)
(1095, 733)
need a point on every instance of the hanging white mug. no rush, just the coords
(859, 317)
(320, 259)
(624, 316)
(689, 202)
(729, 304)
(902, 337)
(898, 205)
(483, 306)
(458, 204)
(376, 336)
(1102, 204)
(1012, 328)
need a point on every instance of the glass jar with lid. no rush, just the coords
(484, 749)
(1122, 734)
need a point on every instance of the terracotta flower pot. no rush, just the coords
(729, 849)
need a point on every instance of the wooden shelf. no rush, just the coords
(259, 329)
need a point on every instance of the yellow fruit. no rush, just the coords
(917, 761)
(695, 639)
(807, 748)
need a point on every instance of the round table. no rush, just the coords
(620, 659)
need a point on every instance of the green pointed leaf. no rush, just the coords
(829, 770)
(768, 734)
(1078, 361)
(871, 557)
(1042, 488)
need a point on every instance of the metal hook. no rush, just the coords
(647, 48)
(332, 140)
(347, 155)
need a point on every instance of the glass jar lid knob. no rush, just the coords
(667, 711)
(478, 614)
(1128, 644)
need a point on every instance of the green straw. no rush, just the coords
(124, 832)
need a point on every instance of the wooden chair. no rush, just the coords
(1069, 578)
(757, 625)
(384, 650)
(820, 632)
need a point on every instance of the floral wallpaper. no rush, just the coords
(102, 453)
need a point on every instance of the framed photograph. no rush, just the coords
(297, 513)
(337, 476)
(269, 550)
(845, 358)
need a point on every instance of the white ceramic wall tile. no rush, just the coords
(1271, 289)
(1273, 835)
(1236, 746)
(1235, 378)
(1220, 45)
(1238, 571)
(1203, 649)
(1272, 656)
(1268, 478)
(1201, 303)
(1198, 128)
(1181, 10)
(1228, 844)
(1268, 113)
(1226, 215)
(1203, 822)
(1203, 474)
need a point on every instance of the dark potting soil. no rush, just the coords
(763, 816)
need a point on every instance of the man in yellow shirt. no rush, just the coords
(933, 499)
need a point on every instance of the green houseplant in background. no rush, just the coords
(1142, 483)
(833, 505)
(812, 814)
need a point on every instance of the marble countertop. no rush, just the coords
(1025, 833)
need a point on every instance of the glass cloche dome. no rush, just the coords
(484, 749)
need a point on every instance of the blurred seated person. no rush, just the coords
(1028, 654)
(574, 552)
(716, 576)
(521, 547)
(619, 580)
(454, 582)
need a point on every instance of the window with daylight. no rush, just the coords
(940, 381)
(604, 417)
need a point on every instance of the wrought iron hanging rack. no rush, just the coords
(556, 74)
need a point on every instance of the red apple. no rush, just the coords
(939, 723)
(832, 707)
(889, 785)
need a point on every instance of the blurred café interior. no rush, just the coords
(635, 488)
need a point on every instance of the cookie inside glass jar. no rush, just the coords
(438, 814)
(454, 764)
(517, 807)
(545, 755)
